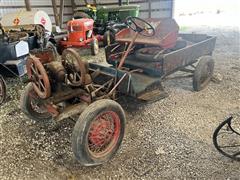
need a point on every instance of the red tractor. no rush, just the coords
(80, 34)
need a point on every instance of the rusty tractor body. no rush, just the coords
(71, 86)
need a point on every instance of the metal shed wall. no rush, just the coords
(159, 8)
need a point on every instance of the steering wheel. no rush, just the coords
(141, 26)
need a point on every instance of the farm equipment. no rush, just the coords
(108, 20)
(226, 137)
(3, 90)
(35, 27)
(66, 88)
(80, 34)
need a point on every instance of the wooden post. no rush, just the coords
(28, 5)
(73, 5)
(149, 8)
(55, 11)
(61, 13)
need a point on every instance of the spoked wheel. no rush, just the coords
(94, 46)
(32, 105)
(38, 75)
(203, 73)
(75, 67)
(98, 133)
(226, 138)
(3, 89)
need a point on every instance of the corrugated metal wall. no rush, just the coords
(159, 8)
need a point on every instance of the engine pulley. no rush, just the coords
(38, 76)
(74, 66)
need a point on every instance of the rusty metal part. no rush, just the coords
(38, 76)
(66, 95)
(125, 54)
(45, 56)
(57, 71)
(75, 67)
(53, 110)
(71, 111)
(3, 92)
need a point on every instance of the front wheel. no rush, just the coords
(32, 105)
(94, 47)
(3, 89)
(203, 73)
(98, 132)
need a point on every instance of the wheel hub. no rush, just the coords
(103, 133)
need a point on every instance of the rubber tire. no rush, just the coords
(94, 47)
(51, 46)
(27, 109)
(79, 136)
(204, 60)
(108, 35)
(4, 88)
(80, 15)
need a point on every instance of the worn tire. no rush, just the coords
(3, 90)
(108, 38)
(94, 47)
(79, 15)
(81, 136)
(203, 73)
(27, 108)
(52, 47)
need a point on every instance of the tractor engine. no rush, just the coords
(57, 77)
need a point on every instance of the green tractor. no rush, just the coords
(108, 20)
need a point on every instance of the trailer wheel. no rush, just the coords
(94, 47)
(32, 106)
(203, 73)
(3, 90)
(108, 38)
(98, 132)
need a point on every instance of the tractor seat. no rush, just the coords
(166, 33)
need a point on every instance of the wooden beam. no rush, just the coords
(61, 12)
(149, 8)
(73, 5)
(28, 5)
(55, 11)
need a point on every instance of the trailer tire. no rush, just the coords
(203, 73)
(26, 105)
(86, 132)
(3, 90)
(94, 47)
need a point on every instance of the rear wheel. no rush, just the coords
(94, 46)
(203, 73)
(3, 90)
(32, 106)
(98, 132)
